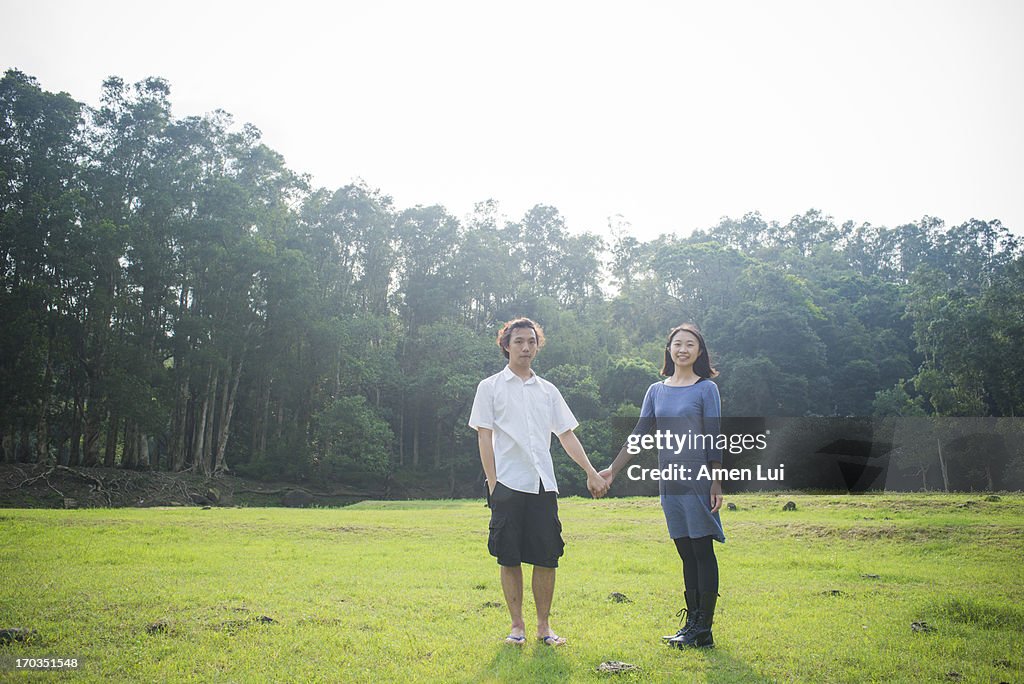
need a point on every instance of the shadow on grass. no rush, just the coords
(723, 667)
(538, 663)
(529, 663)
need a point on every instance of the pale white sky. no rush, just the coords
(671, 114)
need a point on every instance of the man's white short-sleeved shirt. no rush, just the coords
(523, 416)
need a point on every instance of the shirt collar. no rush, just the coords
(507, 374)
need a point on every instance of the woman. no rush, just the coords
(687, 405)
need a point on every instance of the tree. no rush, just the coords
(40, 207)
(350, 436)
(627, 380)
(579, 389)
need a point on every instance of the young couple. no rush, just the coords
(514, 414)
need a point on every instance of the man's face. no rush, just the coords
(522, 346)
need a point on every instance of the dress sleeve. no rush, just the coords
(647, 420)
(482, 415)
(712, 405)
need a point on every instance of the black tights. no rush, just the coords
(700, 567)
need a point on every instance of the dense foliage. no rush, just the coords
(173, 296)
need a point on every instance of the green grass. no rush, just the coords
(405, 591)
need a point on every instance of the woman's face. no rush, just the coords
(684, 349)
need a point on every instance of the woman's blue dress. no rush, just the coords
(691, 410)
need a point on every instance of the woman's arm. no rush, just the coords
(620, 462)
(643, 426)
(713, 426)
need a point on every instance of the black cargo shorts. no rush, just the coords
(525, 528)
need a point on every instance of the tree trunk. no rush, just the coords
(64, 451)
(261, 445)
(401, 436)
(437, 446)
(42, 427)
(95, 404)
(942, 466)
(42, 447)
(988, 478)
(279, 431)
(76, 434)
(254, 436)
(451, 479)
(110, 452)
(7, 447)
(416, 438)
(199, 430)
(220, 414)
(143, 451)
(337, 373)
(94, 412)
(190, 427)
(208, 443)
(129, 457)
(225, 424)
(24, 446)
(451, 468)
(179, 425)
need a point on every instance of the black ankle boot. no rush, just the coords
(689, 614)
(700, 636)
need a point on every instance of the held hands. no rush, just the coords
(597, 485)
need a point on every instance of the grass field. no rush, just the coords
(405, 591)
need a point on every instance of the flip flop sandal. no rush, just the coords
(552, 640)
(516, 640)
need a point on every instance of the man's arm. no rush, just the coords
(571, 443)
(481, 419)
(484, 439)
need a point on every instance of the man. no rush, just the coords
(514, 413)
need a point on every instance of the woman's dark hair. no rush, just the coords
(702, 366)
(505, 336)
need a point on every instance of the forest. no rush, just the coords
(173, 297)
